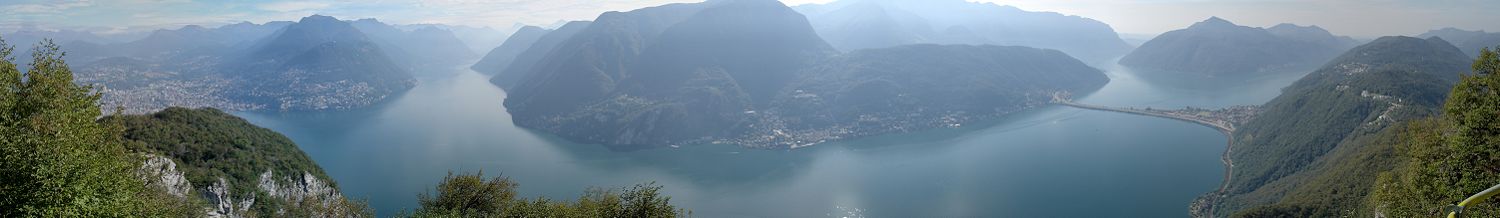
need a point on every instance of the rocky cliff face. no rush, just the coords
(235, 168)
(299, 191)
(162, 172)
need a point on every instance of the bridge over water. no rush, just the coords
(1223, 124)
(1223, 120)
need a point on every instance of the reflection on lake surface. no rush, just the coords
(1050, 162)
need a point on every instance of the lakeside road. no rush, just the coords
(1223, 124)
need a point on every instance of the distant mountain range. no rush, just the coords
(509, 73)
(1469, 41)
(1317, 149)
(317, 63)
(755, 73)
(863, 24)
(1217, 47)
(502, 57)
(478, 39)
(420, 48)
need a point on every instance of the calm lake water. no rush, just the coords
(1049, 162)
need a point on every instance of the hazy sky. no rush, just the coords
(1345, 17)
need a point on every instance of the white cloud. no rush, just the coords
(47, 8)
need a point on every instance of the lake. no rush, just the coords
(1048, 162)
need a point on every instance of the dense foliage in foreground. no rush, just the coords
(55, 160)
(1452, 157)
(1319, 146)
(472, 195)
(1407, 156)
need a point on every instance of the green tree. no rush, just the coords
(1452, 157)
(210, 145)
(470, 195)
(473, 195)
(55, 159)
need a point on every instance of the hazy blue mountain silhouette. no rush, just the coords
(1217, 47)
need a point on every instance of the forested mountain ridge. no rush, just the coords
(1217, 47)
(1447, 159)
(501, 57)
(607, 70)
(522, 67)
(1316, 149)
(737, 72)
(60, 159)
(864, 24)
(319, 63)
(1470, 41)
(915, 87)
(239, 169)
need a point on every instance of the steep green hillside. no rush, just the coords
(55, 160)
(1316, 149)
(1449, 158)
(214, 149)
(904, 88)
(210, 144)
(523, 66)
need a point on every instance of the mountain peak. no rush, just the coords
(193, 28)
(1298, 27)
(1408, 51)
(1214, 21)
(431, 29)
(1306, 33)
(762, 3)
(1437, 39)
(318, 19)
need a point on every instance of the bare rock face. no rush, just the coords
(307, 189)
(222, 203)
(161, 172)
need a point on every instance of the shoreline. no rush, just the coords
(1205, 205)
